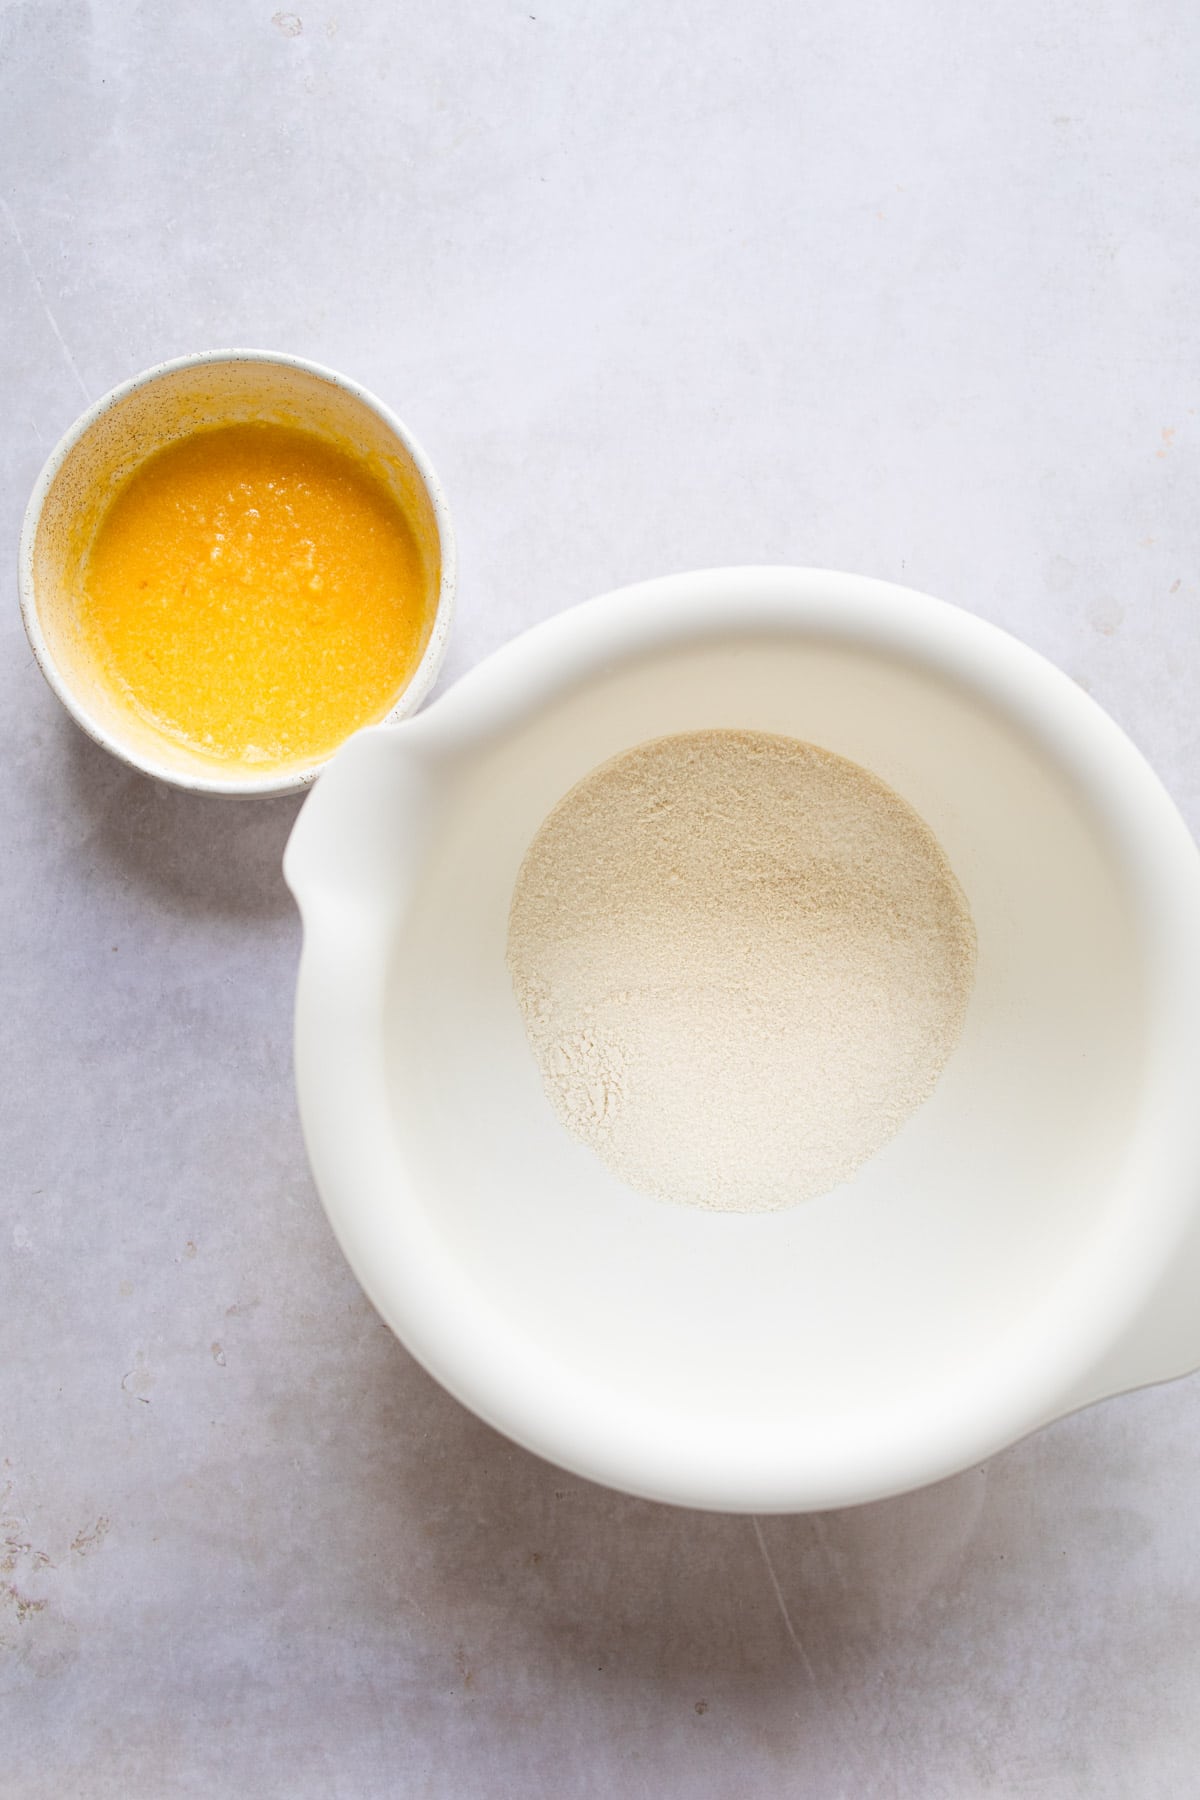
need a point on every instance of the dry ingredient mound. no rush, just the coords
(742, 963)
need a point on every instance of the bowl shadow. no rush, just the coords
(869, 1622)
(199, 854)
(519, 1552)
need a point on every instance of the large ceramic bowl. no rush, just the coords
(1028, 1242)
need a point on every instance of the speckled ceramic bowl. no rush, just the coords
(113, 437)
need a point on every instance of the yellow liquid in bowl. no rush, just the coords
(256, 594)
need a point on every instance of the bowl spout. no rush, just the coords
(361, 833)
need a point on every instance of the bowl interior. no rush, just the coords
(131, 426)
(835, 1318)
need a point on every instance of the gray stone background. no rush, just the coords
(904, 289)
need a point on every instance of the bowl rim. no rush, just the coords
(295, 780)
(1036, 1371)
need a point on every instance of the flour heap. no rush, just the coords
(742, 963)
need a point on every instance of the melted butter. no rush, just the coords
(256, 594)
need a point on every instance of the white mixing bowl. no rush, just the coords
(1028, 1242)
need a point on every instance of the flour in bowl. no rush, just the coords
(742, 962)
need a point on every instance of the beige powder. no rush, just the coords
(742, 962)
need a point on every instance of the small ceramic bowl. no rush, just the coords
(168, 402)
(1028, 1242)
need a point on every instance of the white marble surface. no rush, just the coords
(904, 289)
